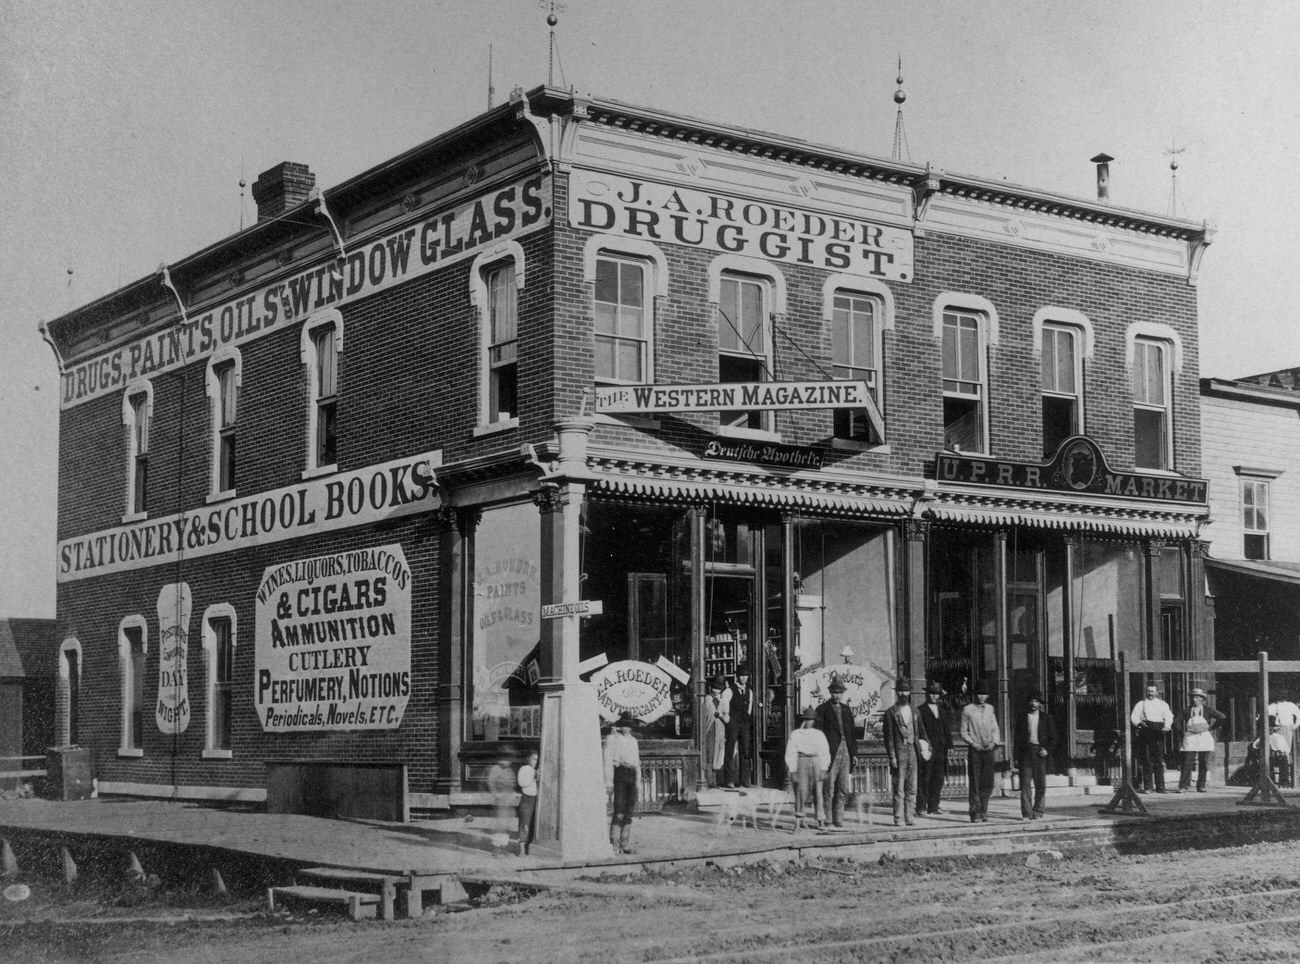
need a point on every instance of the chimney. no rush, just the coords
(282, 187)
(1103, 176)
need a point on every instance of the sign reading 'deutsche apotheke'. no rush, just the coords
(333, 648)
(736, 225)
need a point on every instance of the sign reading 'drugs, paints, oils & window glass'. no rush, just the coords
(334, 642)
(736, 225)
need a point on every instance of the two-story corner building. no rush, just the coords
(1250, 434)
(725, 398)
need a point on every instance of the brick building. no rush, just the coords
(771, 405)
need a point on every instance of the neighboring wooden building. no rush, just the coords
(804, 411)
(1250, 430)
(28, 691)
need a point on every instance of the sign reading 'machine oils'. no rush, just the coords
(720, 222)
(333, 648)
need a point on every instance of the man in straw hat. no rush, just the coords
(1196, 725)
(622, 773)
(835, 720)
(807, 757)
(979, 728)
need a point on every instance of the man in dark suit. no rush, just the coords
(902, 727)
(931, 773)
(835, 719)
(1035, 735)
(740, 729)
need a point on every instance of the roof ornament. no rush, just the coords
(901, 146)
(318, 198)
(1172, 153)
(552, 18)
(166, 279)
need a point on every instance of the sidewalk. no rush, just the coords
(467, 844)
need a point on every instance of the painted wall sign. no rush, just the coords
(765, 453)
(386, 491)
(410, 252)
(627, 686)
(732, 396)
(1078, 466)
(172, 713)
(333, 644)
(720, 222)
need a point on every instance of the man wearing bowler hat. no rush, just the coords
(979, 728)
(835, 720)
(931, 773)
(1035, 735)
(902, 728)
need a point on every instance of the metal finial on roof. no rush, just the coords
(901, 146)
(1173, 153)
(491, 90)
(552, 18)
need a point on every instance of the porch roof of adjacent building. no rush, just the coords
(1285, 572)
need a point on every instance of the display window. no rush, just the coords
(506, 648)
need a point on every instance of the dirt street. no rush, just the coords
(1240, 904)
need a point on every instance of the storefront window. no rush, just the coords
(1107, 619)
(963, 644)
(845, 591)
(507, 636)
(635, 560)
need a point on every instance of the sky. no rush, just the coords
(126, 127)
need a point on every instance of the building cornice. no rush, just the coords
(923, 179)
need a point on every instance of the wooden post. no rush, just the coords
(1265, 791)
(1125, 798)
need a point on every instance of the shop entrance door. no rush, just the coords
(730, 622)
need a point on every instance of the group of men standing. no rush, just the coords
(727, 712)
(820, 754)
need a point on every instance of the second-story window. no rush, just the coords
(326, 401)
(224, 389)
(742, 340)
(503, 342)
(622, 321)
(964, 388)
(141, 415)
(1254, 518)
(1151, 391)
(855, 352)
(1062, 384)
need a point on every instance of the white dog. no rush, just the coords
(747, 804)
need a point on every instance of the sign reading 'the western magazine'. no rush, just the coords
(732, 396)
(333, 647)
(386, 491)
(442, 238)
(720, 222)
